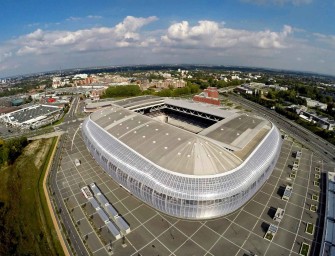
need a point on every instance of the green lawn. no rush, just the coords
(25, 222)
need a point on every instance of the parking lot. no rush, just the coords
(240, 233)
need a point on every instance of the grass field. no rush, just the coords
(25, 224)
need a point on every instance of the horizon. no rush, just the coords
(257, 69)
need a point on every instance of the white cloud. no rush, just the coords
(205, 42)
(210, 34)
(124, 34)
(5, 55)
(130, 24)
(279, 2)
(325, 39)
(35, 24)
(73, 18)
(94, 17)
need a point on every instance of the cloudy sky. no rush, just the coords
(284, 34)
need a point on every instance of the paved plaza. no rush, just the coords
(240, 233)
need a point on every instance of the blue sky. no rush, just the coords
(286, 34)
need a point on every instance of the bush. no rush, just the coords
(12, 149)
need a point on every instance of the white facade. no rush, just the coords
(182, 195)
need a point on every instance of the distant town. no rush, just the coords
(306, 98)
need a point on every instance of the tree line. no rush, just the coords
(134, 90)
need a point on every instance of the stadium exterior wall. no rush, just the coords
(179, 195)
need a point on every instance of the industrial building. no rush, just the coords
(186, 159)
(32, 117)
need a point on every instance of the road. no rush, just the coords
(320, 146)
(73, 109)
(77, 244)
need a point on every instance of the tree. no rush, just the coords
(11, 149)
(330, 107)
(122, 91)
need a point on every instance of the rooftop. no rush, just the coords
(32, 112)
(177, 150)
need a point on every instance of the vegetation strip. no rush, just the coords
(25, 222)
(44, 191)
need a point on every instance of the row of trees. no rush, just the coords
(11, 149)
(205, 82)
(258, 99)
(134, 90)
(286, 96)
(171, 92)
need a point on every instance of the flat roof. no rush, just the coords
(100, 104)
(236, 132)
(137, 100)
(173, 148)
(33, 113)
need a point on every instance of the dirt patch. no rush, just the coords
(38, 148)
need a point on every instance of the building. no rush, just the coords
(328, 236)
(188, 175)
(162, 84)
(323, 122)
(314, 103)
(210, 96)
(56, 82)
(87, 80)
(32, 117)
(243, 90)
(80, 76)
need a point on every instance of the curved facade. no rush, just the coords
(178, 194)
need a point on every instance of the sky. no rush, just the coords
(38, 36)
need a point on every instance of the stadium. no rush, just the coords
(186, 159)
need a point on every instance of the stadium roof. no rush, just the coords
(180, 151)
(137, 100)
(202, 107)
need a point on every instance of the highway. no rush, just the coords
(315, 143)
